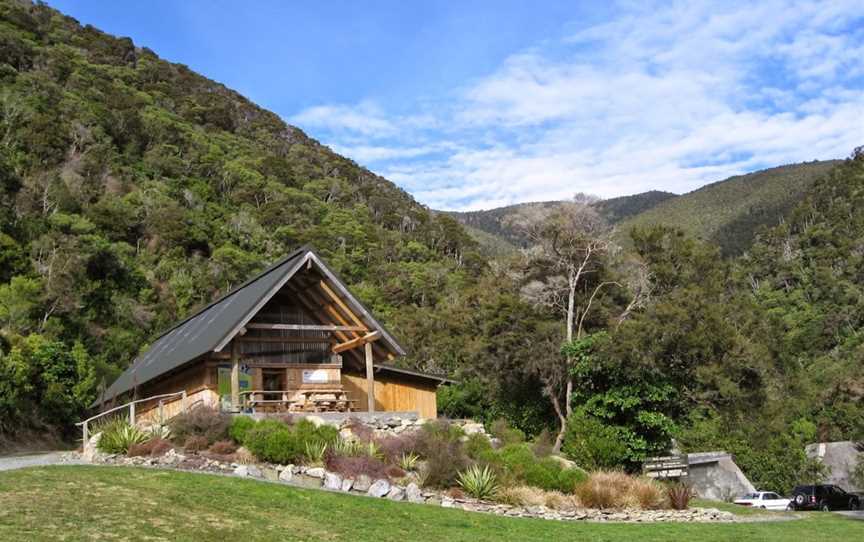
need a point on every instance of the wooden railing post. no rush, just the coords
(86, 432)
(183, 401)
(132, 413)
(161, 412)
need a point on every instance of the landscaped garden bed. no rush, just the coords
(436, 462)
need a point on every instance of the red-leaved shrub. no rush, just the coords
(153, 447)
(196, 443)
(394, 446)
(222, 447)
(353, 466)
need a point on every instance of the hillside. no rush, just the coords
(490, 229)
(133, 190)
(729, 212)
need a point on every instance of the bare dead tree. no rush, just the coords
(570, 240)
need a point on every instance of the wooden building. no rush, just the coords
(291, 339)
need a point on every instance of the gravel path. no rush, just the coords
(9, 462)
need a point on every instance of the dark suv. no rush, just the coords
(823, 497)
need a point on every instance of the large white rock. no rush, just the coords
(362, 483)
(316, 472)
(413, 493)
(91, 450)
(332, 481)
(472, 428)
(287, 474)
(347, 484)
(241, 470)
(379, 488)
(396, 493)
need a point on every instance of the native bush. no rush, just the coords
(195, 443)
(395, 446)
(118, 436)
(518, 465)
(615, 489)
(478, 446)
(273, 441)
(201, 421)
(592, 444)
(679, 496)
(505, 433)
(354, 466)
(154, 447)
(477, 481)
(222, 447)
(240, 425)
(439, 445)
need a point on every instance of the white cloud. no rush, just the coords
(660, 97)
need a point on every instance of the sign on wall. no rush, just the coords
(224, 380)
(314, 376)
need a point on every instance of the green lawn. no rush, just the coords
(114, 503)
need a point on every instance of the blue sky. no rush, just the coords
(476, 104)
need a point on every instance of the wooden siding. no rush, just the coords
(173, 407)
(393, 394)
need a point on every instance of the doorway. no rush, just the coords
(273, 380)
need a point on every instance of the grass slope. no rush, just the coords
(729, 212)
(86, 503)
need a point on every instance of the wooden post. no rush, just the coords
(132, 413)
(235, 377)
(161, 412)
(84, 428)
(183, 401)
(370, 378)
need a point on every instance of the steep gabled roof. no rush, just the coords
(212, 328)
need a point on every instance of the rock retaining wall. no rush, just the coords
(319, 478)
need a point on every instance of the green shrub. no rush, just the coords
(506, 434)
(315, 450)
(273, 441)
(592, 444)
(478, 447)
(477, 481)
(240, 425)
(118, 436)
(519, 465)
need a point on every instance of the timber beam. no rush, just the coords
(359, 341)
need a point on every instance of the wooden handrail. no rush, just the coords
(131, 406)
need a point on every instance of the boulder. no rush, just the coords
(362, 483)
(379, 488)
(447, 502)
(241, 470)
(91, 448)
(413, 493)
(254, 471)
(347, 484)
(271, 474)
(332, 481)
(286, 475)
(396, 493)
(316, 472)
(472, 428)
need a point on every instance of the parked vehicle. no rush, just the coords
(824, 497)
(766, 500)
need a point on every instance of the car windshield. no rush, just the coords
(751, 496)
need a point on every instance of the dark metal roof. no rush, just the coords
(211, 328)
(411, 372)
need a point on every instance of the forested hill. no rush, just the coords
(728, 213)
(133, 190)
